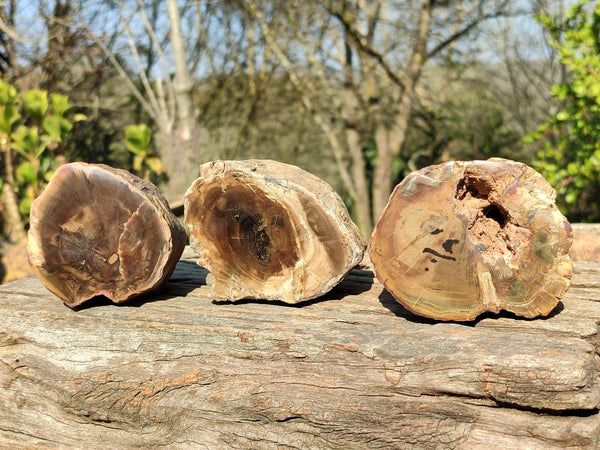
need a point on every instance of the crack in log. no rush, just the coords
(30, 435)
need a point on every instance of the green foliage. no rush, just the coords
(9, 115)
(33, 126)
(570, 157)
(137, 141)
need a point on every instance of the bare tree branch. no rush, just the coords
(365, 46)
(143, 76)
(163, 62)
(302, 88)
(464, 31)
(122, 72)
(12, 34)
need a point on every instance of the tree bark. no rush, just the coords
(390, 138)
(270, 230)
(462, 238)
(186, 143)
(96, 230)
(351, 370)
(14, 230)
(350, 115)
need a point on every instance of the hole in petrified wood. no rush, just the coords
(473, 185)
(496, 213)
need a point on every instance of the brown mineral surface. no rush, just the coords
(462, 238)
(269, 230)
(96, 230)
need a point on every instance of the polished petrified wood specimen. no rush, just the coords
(461, 238)
(269, 230)
(97, 230)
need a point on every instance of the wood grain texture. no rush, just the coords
(464, 237)
(586, 242)
(352, 369)
(269, 230)
(97, 230)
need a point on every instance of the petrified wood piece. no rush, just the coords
(97, 230)
(269, 230)
(461, 238)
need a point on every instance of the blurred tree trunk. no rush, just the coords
(351, 115)
(12, 226)
(14, 229)
(138, 49)
(183, 146)
(390, 137)
(353, 179)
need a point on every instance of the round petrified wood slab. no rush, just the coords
(96, 230)
(269, 230)
(461, 238)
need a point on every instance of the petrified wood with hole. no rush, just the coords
(462, 238)
(97, 230)
(269, 230)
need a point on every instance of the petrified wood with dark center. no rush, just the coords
(269, 230)
(462, 238)
(97, 230)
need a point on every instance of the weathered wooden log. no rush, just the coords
(462, 238)
(97, 230)
(586, 242)
(269, 230)
(352, 370)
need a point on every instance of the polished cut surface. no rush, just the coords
(96, 230)
(462, 238)
(269, 230)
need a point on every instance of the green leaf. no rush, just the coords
(35, 103)
(562, 116)
(57, 127)
(45, 164)
(79, 117)
(137, 138)
(7, 93)
(9, 116)
(138, 162)
(48, 175)
(572, 168)
(569, 159)
(27, 173)
(25, 206)
(59, 104)
(571, 197)
(25, 140)
(154, 164)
